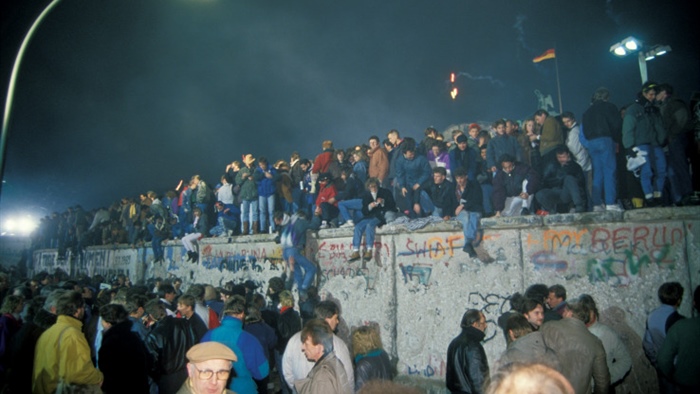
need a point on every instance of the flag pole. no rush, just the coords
(556, 66)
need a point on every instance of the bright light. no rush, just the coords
(620, 51)
(21, 225)
(453, 93)
(631, 45)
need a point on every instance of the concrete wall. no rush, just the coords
(420, 283)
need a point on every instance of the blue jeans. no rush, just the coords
(367, 227)
(249, 213)
(678, 174)
(300, 262)
(266, 206)
(355, 205)
(602, 153)
(470, 223)
(155, 242)
(486, 192)
(653, 173)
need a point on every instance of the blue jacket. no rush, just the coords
(266, 186)
(468, 161)
(252, 362)
(411, 172)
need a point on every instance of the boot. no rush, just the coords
(255, 228)
(246, 228)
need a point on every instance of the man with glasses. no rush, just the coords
(208, 369)
(467, 366)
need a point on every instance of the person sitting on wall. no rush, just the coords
(377, 202)
(514, 187)
(470, 208)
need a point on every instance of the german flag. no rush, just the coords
(548, 54)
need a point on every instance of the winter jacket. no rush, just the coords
(602, 119)
(322, 161)
(265, 185)
(527, 349)
(444, 197)
(551, 137)
(411, 172)
(378, 164)
(467, 366)
(379, 211)
(678, 358)
(123, 354)
(72, 361)
(168, 342)
(643, 125)
(501, 145)
(511, 184)
(293, 232)
(472, 198)
(288, 323)
(327, 376)
(252, 362)
(466, 159)
(581, 354)
(374, 365)
(249, 189)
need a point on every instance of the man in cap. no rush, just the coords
(208, 369)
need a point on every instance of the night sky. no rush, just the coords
(118, 97)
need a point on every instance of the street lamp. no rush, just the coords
(13, 80)
(630, 45)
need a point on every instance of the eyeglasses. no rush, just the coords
(222, 374)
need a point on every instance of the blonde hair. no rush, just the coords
(286, 298)
(533, 378)
(365, 339)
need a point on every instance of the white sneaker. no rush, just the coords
(324, 224)
(347, 224)
(614, 208)
(599, 208)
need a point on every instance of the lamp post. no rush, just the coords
(13, 81)
(631, 45)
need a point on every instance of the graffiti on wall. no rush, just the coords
(614, 255)
(332, 258)
(434, 367)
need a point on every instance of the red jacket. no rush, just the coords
(325, 194)
(322, 161)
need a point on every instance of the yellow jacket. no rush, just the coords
(73, 363)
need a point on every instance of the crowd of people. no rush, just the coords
(613, 160)
(58, 333)
(557, 344)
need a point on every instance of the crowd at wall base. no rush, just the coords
(419, 283)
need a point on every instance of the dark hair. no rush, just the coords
(69, 303)
(440, 170)
(470, 317)
(561, 149)
(498, 122)
(320, 333)
(372, 181)
(671, 293)
(538, 291)
(374, 137)
(164, 289)
(519, 325)
(558, 290)
(187, 300)
(134, 302)
(590, 303)
(601, 94)
(459, 171)
(664, 87)
(506, 158)
(235, 305)
(155, 309)
(579, 309)
(516, 301)
(568, 114)
(541, 112)
(326, 310)
(113, 314)
(529, 304)
(408, 145)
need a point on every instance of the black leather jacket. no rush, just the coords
(372, 366)
(467, 366)
(168, 343)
